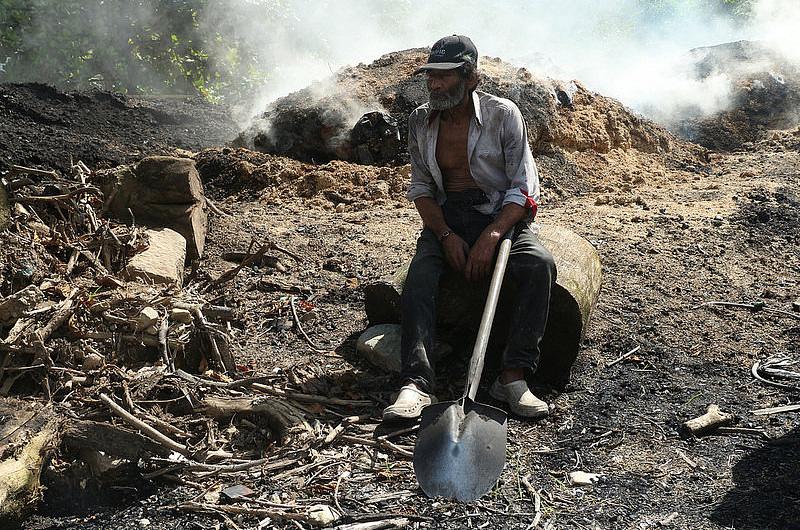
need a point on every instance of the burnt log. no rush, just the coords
(28, 435)
(460, 306)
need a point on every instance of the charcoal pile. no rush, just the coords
(765, 95)
(566, 122)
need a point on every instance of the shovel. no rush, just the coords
(461, 446)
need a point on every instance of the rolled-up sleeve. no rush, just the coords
(422, 183)
(520, 167)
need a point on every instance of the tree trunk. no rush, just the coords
(460, 306)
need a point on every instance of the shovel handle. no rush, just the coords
(482, 340)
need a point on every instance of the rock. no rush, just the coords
(163, 260)
(380, 345)
(322, 514)
(93, 361)
(184, 316)
(5, 211)
(147, 317)
(340, 207)
(796, 305)
(12, 307)
(161, 191)
(460, 307)
(581, 478)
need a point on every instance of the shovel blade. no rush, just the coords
(460, 450)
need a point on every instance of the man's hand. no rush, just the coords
(455, 251)
(479, 262)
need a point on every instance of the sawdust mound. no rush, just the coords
(765, 95)
(275, 179)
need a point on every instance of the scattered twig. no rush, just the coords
(622, 357)
(300, 329)
(754, 307)
(381, 444)
(775, 410)
(149, 431)
(537, 502)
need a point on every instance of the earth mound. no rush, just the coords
(765, 95)
(565, 121)
(314, 123)
(45, 127)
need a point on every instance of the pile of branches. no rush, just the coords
(118, 381)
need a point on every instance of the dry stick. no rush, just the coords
(21, 170)
(623, 357)
(213, 208)
(309, 398)
(162, 339)
(149, 431)
(241, 510)
(215, 353)
(774, 410)
(55, 198)
(537, 502)
(754, 371)
(381, 444)
(73, 259)
(231, 273)
(300, 328)
(751, 307)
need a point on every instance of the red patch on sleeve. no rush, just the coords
(530, 203)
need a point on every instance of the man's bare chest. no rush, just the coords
(451, 147)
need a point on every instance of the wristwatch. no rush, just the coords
(444, 235)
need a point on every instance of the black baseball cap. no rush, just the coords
(450, 52)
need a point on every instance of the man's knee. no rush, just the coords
(533, 263)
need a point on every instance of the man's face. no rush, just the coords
(446, 89)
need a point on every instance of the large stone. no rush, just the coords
(163, 260)
(380, 345)
(461, 306)
(161, 191)
(5, 210)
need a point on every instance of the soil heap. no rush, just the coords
(45, 127)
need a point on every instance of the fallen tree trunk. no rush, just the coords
(27, 436)
(460, 307)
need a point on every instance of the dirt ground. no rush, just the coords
(670, 238)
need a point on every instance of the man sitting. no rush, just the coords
(473, 179)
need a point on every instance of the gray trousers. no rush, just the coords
(531, 273)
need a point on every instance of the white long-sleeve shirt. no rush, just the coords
(500, 158)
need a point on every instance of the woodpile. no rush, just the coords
(128, 375)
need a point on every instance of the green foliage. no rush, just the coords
(139, 46)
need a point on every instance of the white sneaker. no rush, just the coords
(408, 405)
(519, 398)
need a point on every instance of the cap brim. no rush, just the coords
(437, 66)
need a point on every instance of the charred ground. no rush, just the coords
(672, 233)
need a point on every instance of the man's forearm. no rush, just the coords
(509, 216)
(431, 214)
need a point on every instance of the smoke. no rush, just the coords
(633, 50)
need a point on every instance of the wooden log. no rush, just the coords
(460, 306)
(279, 415)
(708, 422)
(28, 435)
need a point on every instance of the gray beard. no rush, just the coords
(449, 100)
